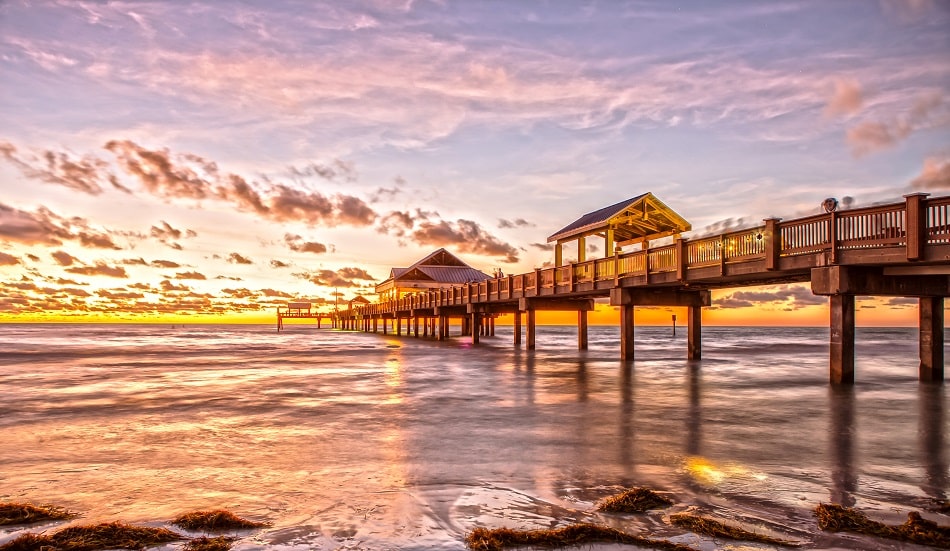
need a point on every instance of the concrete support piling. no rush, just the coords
(694, 329)
(931, 338)
(626, 332)
(530, 330)
(842, 339)
(517, 328)
(582, 330)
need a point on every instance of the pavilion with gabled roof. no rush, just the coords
(640, 219)
(440, 269)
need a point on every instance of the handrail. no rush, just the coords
(878, 226)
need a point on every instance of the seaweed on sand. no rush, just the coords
(114, 535)
(204, 543)
(836, 518)
(635, 500)
(24, 513)
(484, 539)
(216, 520)
(714, 528)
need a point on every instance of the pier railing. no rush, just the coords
(911, 225)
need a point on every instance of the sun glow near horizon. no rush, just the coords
(227, 160)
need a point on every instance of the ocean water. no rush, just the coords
(348, 440)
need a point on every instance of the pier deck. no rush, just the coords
(900, 249)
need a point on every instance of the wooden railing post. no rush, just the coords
(681, 259)
(537, 282)
(833, 235)
(773, 243)
(915, 219)
(722, 255)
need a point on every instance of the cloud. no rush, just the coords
(8, 259)
(296, 243)
(100, 268)
(31, 228)
(158, 173)
(239, 293)
(791, 297)
(44, 227)
(278, 264)
(543, 246)
(167, 285)
(427, 228)
(190, 275)
(908, 11)
(235, 258)
(188, 176)
(169, 235)
(85, 175)
(274, 293)
(119, 294)
(396, 223)
(344, 277)
(934, 176)
(847, 98)
(872, 136)
(63, 258)
(336, 170)
(516, 223)
(355, 273)
(135, 262)
(164, 264)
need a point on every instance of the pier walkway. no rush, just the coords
(900, 249)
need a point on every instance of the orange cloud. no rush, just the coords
(235, 258)
(297, 243)
(871, 136)
(847, 98)
(8, 259)
(934, 176)
(100, 268)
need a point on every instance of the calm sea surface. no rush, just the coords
(348, 440)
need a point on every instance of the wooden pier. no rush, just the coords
(900, 249)
(301, 310)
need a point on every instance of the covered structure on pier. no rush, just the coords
(640, 219)
(439, 270)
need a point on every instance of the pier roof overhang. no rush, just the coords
(438, 268)
(638, 219)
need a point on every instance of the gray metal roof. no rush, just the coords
(453, 274)
(593, 219)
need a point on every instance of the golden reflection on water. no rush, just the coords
(708, 473)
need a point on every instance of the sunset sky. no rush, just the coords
(206, 161)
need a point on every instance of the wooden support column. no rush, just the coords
(558, 255)
(375, 325)
(385, 326)
(931, 338)
(491, 326)
(530, 330)
(443, 330)
(842, 339)
(581, 250)
(773, 243)
(916, 213)
(626, 332)
(415, 326)
(398, 326)
(582, 330)
(694, 329)
(476, 326)
(608, 242)
(517, 328)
